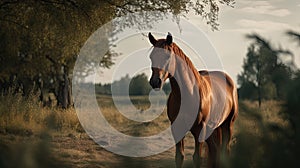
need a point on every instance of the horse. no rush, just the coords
(216, 100)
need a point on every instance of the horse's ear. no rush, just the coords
(169, 38)
(153, 41)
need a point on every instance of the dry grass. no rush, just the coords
(38, 136)
(261, 135)
(130, 127)
(26, 116)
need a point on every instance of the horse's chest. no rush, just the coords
(173, 106)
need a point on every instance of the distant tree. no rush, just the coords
(120, 87)
(264, 71)
(292, 102)
(247, 90)
(139, 85)
(103, 89)
(167, 88)
(293, 97)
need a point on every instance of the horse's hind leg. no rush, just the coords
(227, 132)
(179, 157)
(197, 153)
(226, 136)
(214, 146)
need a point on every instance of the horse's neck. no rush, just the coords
(186, 78)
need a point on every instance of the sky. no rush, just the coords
(269, 18)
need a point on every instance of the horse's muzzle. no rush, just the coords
(155, 83)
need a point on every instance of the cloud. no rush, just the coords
(247, 25)
(265, 8)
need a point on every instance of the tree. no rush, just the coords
(265, 71)
(43, 38)
(139, 85)
(293, 97)
(294, 35)
(119, 87)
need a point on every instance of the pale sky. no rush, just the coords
(269, 18)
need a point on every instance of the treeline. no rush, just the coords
(269, 72)
(138, 86)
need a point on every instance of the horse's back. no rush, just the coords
(224, 95)
(219, 76)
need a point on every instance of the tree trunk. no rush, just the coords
(65, 97)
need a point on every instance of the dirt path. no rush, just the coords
(77, 150)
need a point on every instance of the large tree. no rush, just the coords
(293, 98)
(41, 39)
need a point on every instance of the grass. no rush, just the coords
(36, 136)
(130, 127)
(262, 135)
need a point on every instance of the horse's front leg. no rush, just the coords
(179, 156)
(198, 146)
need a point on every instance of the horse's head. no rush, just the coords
(162, 60)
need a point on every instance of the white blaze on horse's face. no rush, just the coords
(161, 60)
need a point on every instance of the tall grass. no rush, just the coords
(25, 130)
(263, 138)
(26, 115)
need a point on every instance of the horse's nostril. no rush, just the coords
(150, 82)
(155, 83)
(159, 82)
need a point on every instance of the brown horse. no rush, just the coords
(213, 93)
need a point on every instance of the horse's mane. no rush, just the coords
(179, 53)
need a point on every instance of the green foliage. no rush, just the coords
(272, 144)
(293, 98)
(248, 90)
(120, 87)
(40, 40)
(139, 85)
(265, 75)
(269, 91)
(264, 138)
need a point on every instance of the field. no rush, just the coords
(34, 136)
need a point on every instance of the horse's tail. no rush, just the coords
(227, 126)
(235, 107)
